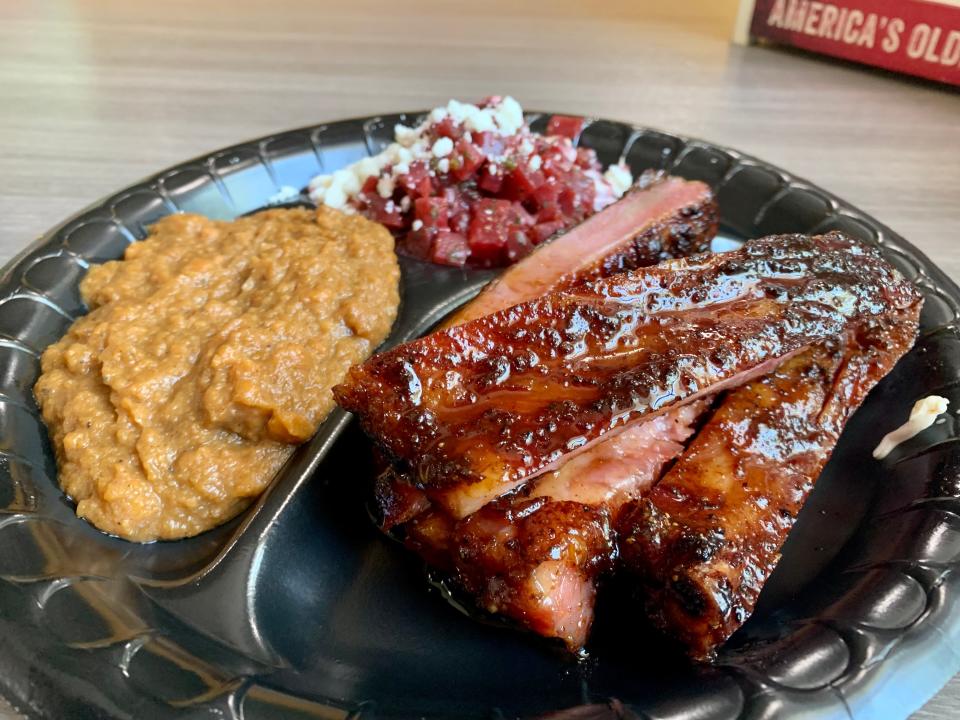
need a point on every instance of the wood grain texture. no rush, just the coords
(95, 94)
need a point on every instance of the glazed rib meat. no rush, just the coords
(535, 556)
(661, 218)
(706, 538)
(504, 398)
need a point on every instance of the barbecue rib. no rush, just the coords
(501, 399)
(490, 554)
(706, 538)
(535, 556)
(661, 218)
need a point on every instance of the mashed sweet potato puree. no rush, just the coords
(208, 354)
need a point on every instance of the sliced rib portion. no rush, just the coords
(623, 467)
(535, 556)
(611, 472)
(663, 217)
(529, 559)
(504, 398)
(708, 535)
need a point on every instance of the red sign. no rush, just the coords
(919, 37)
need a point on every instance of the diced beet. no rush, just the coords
(447, 128)
(554, 163)
(549, 212)
(492, 207)
(459, 208)
(432, 212)
(519, 216)
(417, 181)
(470, 215)
(465, 160)
(460, 220)
(384, 211)
(521, 182)
(489, 227)
(565, 125)
(487, 252)
(545, 198)
(576, 199)
(542, 231)
(586, 158)
(450, 248)
(490, 182)
(518, 245)
(567, 201)
(419, 243)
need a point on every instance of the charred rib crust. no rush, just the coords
(459, 406)
(688, 233)
(707, 537)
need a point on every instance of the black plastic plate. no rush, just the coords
(301, 609)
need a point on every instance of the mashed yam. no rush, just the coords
(208, 354)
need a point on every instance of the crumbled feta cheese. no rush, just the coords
(619, 177)
(458, 111)
(404, 203)
(349, 180)
(924, 412)
(319, 182)
(334, 197)
(442, 147)
(405, 136)
(505, 117)
(365, 168)
(509, 116)
(401, 155)
(417, 224)
(385, 186)
(481, 121)
(444, 165)
(535, 162)
(526, 147)
(284, 194)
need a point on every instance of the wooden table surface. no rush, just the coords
(95, 94)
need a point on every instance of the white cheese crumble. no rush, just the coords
(385, 186)
(417, 224)
(535, 162)
(442, 147)
(924, 412)
(619, 177)
(285, 194)
(405, 136)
